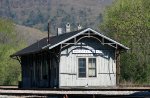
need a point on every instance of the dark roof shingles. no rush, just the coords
(36, 47)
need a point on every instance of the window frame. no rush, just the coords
(92, 68)
(87, 67)
(80, 67)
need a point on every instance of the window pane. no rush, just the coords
(92, 72)
(92, 62)
(82, 67)
(92, 67)
(82, 70)
(82, 62)
(82, 75)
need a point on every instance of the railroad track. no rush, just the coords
(76, 92)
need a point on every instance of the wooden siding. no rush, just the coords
(40, 70)
(106, 65)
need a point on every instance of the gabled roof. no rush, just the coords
(57, 40)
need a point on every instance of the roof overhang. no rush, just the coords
(61, 39)
(82, 32)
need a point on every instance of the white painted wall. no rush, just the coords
(106, 66)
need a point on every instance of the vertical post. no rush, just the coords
(117, 67)
(65, 96)
(93, 96)
(48, 28)
(22, 71)
(59, 67)
(49, 69)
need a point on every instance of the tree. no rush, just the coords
(128, 21)
(10, 70)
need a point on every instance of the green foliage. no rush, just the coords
(9, 43)
(128, 21)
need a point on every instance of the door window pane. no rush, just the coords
(82, 67)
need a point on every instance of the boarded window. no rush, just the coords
(82, 67)
(92, 67)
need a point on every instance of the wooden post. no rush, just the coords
(66, 96)
(93, 96)
(117, 67)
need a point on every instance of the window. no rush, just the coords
(82, 67)
(92, 67)
(87, 65)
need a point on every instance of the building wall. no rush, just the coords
(39, 70)
(25, 72)
(106, 65)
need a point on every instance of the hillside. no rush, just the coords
(36, 13)
(13, 38)
(30, 35)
